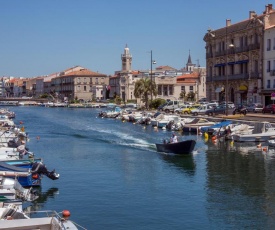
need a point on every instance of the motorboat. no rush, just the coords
(218, 127)
(12, 217)
(178, 123)
(263, 131)
(161, 123)
(11, 189)
(182, 147)
(110, 113)
(196, 124)
(34, 172)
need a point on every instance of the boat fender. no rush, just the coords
(66, 214)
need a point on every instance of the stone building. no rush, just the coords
(235, 59)
(81, 84)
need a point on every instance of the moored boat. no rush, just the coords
(12, 217)
(263, 131)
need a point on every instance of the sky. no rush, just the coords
(47, 36)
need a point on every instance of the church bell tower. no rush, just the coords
(126, 59)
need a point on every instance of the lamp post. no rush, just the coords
(226, 71)
(151, 75)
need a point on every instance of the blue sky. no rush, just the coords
(44, 37)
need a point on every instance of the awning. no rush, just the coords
(243, 88)
(218, 65)
(219, 89)
(242, 61)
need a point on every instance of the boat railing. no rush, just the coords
(60, 216)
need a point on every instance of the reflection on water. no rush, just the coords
(185, 162)
(240, 184)
(37, 204)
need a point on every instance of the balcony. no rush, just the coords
(244, 76)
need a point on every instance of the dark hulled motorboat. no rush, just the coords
(183, 147)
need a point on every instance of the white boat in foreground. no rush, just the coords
(12, 217)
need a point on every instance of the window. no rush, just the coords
(268, 45)
(171, 90)
(245, 41)
(182, 88)
(165, 91)
(274, 83)
(256, 66)
(268, 84)
(231, 69)
(268, 66)
(241, 41)
(85, 88)
(159, 90)
(191, 87)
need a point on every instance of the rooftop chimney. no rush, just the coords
(228, 22)
(268, 9)
(251, 14)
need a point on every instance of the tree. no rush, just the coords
(182, 94)
(143, 90)
(191, 95)
(118, 100)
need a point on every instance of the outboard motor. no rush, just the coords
(38, 167)
(170, 124)
(14, 143)
(147, 121)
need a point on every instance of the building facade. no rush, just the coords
(80, 84)
(235, 59)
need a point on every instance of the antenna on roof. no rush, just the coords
(198, 62)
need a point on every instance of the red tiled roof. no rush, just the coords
(191, 75)
(84, 72)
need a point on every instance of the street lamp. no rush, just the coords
(151, 75)
(226, 71)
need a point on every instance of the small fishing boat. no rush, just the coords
(183, 147)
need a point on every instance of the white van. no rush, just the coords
(171, 106)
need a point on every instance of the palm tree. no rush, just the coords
(143, 89)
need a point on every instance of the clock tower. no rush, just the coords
(126, 59)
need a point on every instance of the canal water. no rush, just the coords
(111, 176)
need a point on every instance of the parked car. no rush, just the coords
(179, 110)
(240, 109)
(255, 107)
(221, 109)
(230, 104)
(160, 108)
(202, 109)
(269, 109)
(188, 110)
(171, 106)
(202, 99)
